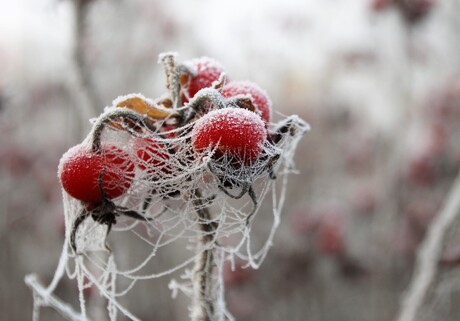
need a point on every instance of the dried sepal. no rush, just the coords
(221, 82)
(245, 102)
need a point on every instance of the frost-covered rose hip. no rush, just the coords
(259, 96)
(207, 70)
(152, 155)
(80, 168)
(234, 132)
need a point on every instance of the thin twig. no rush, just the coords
(50, 300)
(429, 254)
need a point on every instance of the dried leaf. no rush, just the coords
(143, 107)
(165, 102)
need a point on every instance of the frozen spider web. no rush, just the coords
(204, 205)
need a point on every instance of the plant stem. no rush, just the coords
(203, 308)
(205, 295)
(172, 77)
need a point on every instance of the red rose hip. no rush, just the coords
(207, 70)
(259, 96)
(234, 132)
(80, 168)
(152, 155)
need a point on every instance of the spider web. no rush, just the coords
(205, 205)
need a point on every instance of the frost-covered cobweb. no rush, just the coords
(206, 204)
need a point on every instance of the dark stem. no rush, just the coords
(125, 115)
(83, 215)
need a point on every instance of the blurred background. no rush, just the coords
(378, 81)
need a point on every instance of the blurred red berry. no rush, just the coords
(330, 233)
(379, 5)
(18, 161)
(421, 170)
(414, 10)
(236, 276)
(329, 238)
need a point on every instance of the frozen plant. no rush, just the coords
(191, 165)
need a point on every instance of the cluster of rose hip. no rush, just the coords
(216, 121)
